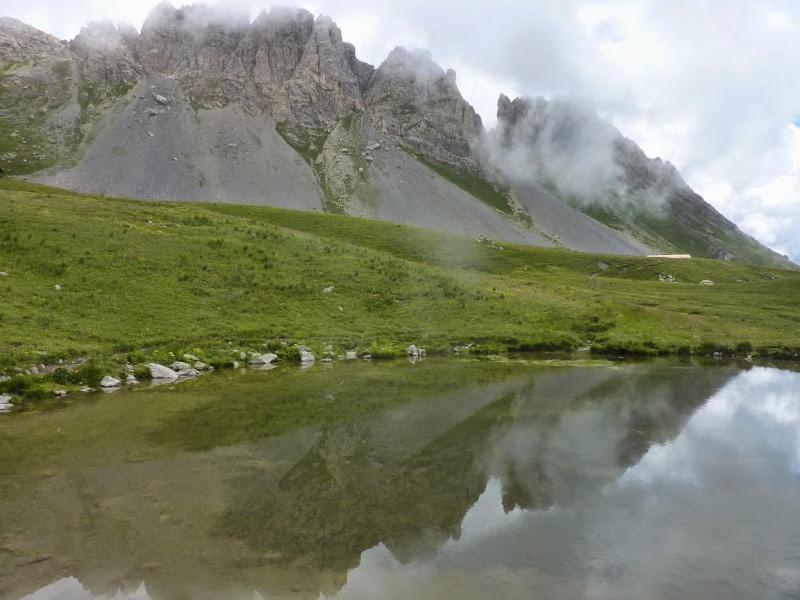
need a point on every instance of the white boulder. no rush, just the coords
(158, 371)
(109, 382)
(307, 356)
(350, 355)
(706, 282)
(264, 359)
(180, 366)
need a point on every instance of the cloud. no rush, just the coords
(710, 85)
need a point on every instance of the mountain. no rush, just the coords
(565, 149)
(207, 105)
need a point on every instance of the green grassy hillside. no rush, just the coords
(139, 279)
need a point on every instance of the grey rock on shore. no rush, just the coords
(158, 371)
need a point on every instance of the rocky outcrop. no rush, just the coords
(324, 88)
(285, 62)
(413, 99)
(21, 43)
(272, 49)
(103, 53)
(197, 45)
(564, 147)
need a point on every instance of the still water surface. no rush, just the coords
(443, 479)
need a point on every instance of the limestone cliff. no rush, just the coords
(206, 104)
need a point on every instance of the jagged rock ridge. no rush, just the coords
(205, 104)
(586, 162)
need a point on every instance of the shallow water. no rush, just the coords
(443, 479)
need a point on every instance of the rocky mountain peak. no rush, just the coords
(282, 18)
(103, 52)
(292, 77)
(20, 42)
(194, 18)
(413, 98)
(103, 37)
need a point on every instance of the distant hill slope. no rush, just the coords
(204, 104)
(142, 278)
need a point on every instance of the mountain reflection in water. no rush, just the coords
(637, 481)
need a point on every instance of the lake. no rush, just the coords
(440, 479)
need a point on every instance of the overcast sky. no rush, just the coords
(712, 85)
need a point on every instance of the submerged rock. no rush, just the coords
(184, 373)
(108, 382)
(158, 371)
(5, 402)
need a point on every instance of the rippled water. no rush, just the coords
(444, 479)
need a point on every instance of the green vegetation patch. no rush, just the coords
(488, 193)
(141, 278)
(308, 144)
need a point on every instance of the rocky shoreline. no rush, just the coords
(192, 367)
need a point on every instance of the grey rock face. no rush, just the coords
(323, 88)
(21, 43)
(412, 98)
(285, 62)
(104, 53)
(272, 49)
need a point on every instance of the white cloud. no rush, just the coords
(711, 85)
